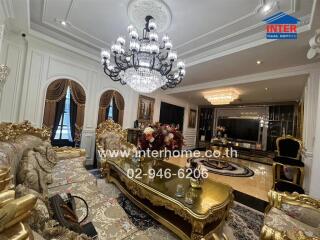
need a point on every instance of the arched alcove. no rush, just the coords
(111, 106)
(64, 112)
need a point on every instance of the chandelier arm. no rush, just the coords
(110, 73)
(162, 58)
(169, 70)
(119, 65)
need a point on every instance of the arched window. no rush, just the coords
(64, 112)
(111, 106)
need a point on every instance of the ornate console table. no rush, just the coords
(203, 219)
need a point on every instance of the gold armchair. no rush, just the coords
(288, 161)
(110, 136)
(291, 217)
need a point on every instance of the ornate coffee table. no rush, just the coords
(157, 196)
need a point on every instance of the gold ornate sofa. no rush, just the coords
(291, 217)
(27, 155)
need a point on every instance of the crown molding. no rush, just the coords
(46, 38)
(285, 72)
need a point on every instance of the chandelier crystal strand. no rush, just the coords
(144, 63)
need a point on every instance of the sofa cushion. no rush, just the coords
(306, 215)
(280, 221)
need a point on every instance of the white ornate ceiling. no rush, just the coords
(196, 26)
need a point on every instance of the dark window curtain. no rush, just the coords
(171, 114)
(115, 112)
(59, 111)
(73, 117)
(107, 113)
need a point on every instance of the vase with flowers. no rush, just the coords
(196, 171)
(160, 137)
(220, 130)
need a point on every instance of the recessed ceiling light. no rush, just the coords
(259, 62)
(63, 23)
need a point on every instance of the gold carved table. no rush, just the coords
(204, 219)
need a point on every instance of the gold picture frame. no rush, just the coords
(192, 118)
(145, 109)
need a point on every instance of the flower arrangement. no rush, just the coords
(220, 129)
(160, 137)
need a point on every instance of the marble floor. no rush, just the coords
(257, 186)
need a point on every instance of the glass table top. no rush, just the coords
(211, 195)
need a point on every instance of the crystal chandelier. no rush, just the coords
(145, 64)
(221, 97)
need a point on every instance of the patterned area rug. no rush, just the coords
(225, 168)
(244, 223)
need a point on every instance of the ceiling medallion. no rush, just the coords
(139, 9)
(221, 97)
(145, 63)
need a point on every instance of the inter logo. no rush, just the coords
(281, 26)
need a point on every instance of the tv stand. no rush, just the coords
(247, 151)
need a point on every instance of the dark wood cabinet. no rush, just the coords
(205, 127)
(282, 121)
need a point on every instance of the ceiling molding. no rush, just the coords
(285, 72)
(102, 44)
(7, 8)
(41, 36)
(236, 46)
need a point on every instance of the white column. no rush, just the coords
(315, 167)
(310, 113)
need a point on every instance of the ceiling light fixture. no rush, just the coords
(145, 64)
(259, 62)
(221, 97)
(63, 23)
(268, 7)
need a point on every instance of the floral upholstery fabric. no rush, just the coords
(282, 222)
(308, 216)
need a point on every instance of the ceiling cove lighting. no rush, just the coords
(221, 97)
(145, 63)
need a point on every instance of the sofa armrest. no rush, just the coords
(277, 199)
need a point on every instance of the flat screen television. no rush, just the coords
(241, 128)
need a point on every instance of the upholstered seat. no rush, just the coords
(291, 217)
(282, 186)
(288, 161)
(278, 220)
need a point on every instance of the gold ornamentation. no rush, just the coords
(276, 199)
(11, 131)
(12, 213)
(138, 191)
(110, 126)
(291, 138)
(69, 152)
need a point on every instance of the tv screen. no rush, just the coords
(239, 128)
